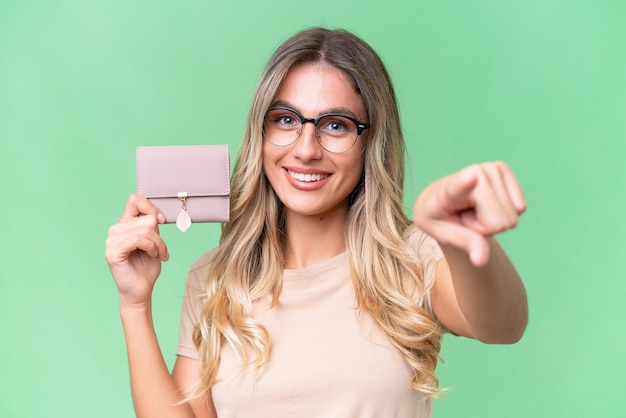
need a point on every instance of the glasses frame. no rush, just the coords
(360, 127)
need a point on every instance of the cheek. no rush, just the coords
(271, 167)
(354, 173)
(358, 163)
(267, 158)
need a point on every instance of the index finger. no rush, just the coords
(459, 187)
(138, 205)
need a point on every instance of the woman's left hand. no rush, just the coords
(466, 207)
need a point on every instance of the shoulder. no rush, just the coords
(425, 246)
(202, 263)
(199, 272)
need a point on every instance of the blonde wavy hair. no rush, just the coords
(248, 264)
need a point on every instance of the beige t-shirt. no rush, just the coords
(327, 359)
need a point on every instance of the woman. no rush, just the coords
(323, 298)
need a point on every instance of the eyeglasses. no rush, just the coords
(336, 133)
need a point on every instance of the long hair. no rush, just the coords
(248, 265)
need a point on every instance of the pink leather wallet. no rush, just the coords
(188, 183)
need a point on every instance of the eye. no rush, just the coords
(286, 120)
(337, 125)
(283, 119)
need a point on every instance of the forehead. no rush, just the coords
(315, 88)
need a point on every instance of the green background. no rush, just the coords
(540, 84)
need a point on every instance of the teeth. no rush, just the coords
(307, 177)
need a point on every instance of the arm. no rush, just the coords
(155, 392)
(185, 373)
(134, 252)
(477, 291)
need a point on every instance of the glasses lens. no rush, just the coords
(337, 133)
(282, 127)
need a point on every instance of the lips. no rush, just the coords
(307, 177)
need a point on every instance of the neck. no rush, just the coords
(312, 239)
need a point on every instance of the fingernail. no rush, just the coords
(161, 218)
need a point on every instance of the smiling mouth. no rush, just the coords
(307, 177)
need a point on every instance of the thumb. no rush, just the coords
(465, 239)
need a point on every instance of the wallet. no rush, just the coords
(188, 183)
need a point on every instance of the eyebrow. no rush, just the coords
(337, 110)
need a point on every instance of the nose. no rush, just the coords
(307, 147)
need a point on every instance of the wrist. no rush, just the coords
(135, 307)
(135, 317)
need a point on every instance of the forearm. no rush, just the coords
(492, 298)
(154, 391)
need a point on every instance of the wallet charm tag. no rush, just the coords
(183, 220)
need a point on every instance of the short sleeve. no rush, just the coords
(428, 252)
(193, 302)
